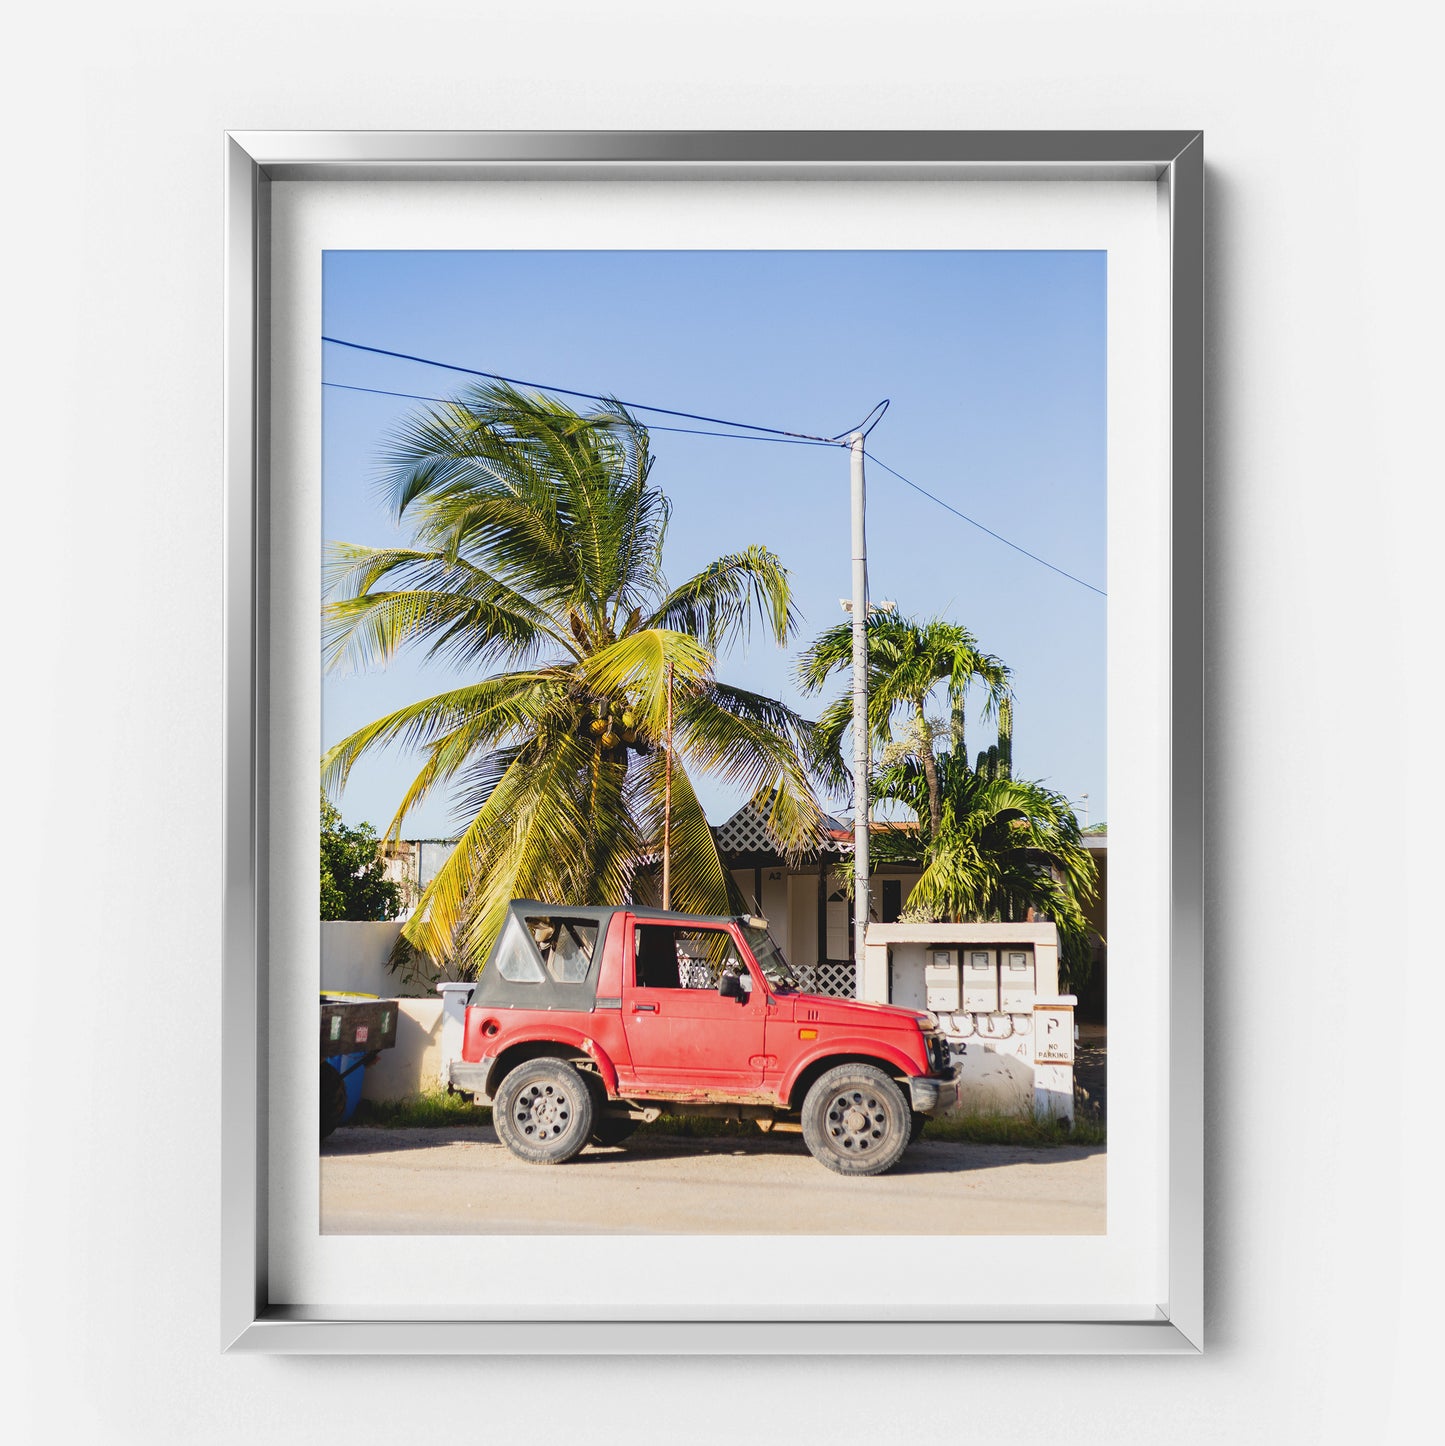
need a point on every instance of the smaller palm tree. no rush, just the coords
(908, 661)
(1003, 846)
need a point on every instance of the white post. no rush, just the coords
(454, 1026)
(1054, 1058)
(860, 718)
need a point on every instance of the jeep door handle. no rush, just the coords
(644, 1009)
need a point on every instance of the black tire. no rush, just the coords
(915, 1128)
(612, 1129)
(333, 1098)
(856, 1120)
(544, 1112)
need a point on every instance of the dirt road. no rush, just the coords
(463, 1182)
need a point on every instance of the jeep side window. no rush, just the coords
(669, 958)
(565, 945)
(516, 958)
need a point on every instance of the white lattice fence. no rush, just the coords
(837, 979)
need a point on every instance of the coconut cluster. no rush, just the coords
(612, 722)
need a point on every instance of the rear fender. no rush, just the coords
(571, 1039)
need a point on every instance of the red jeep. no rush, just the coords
(587, 1021)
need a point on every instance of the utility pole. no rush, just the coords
(861, 738)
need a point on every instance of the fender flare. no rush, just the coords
(869, 1045)
(572, 1039)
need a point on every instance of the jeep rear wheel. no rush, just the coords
(543, 1112)
(856, 1120)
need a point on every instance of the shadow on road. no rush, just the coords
(378, 1140)
(938, 1157)
(928, 1157)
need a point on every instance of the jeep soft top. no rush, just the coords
(548, 956)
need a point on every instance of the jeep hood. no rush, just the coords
(825, 1009)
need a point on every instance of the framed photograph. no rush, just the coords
(583, 492)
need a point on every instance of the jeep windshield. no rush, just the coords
(770, 959)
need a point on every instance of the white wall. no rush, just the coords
(412, 1065)
(354, 955)
(1324, 1276)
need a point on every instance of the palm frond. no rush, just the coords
(699, 881)
(635, 667)
(722, 737)
(719, 603)
(551, 828)
(487, 712)
(466, 613)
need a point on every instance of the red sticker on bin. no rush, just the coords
(361, 1033)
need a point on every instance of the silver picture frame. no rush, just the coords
(1173, 162)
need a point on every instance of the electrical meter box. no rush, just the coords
(1016, 981)
(940, 980)
(980, 981)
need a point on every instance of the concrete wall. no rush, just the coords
(411, 1066)
(354, 955)
(994, 1051)
(907, 942)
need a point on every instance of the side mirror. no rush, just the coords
(730, 986)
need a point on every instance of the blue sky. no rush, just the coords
(995, 365)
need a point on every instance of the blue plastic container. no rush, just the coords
(343, 1062)
(352, 1081)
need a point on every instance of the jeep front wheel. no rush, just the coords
(856, 1120)
(543, 1112)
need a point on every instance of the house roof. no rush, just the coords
(748, 832)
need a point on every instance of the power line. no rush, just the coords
(974, 522)
(654, 427)
(771, 434)
(590, 396)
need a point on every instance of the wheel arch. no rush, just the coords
(797, 1088)
(559, 1044)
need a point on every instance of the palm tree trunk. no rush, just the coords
(930, 772)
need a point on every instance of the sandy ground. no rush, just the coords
(463, 1182)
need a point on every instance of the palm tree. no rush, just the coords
(538, 552)
(1003, 846)
(907, 661)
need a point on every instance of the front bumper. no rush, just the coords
(929, 1096)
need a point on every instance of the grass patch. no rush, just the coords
(432, 1111)
(1014, 1130)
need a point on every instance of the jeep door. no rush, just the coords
(682, 1033)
